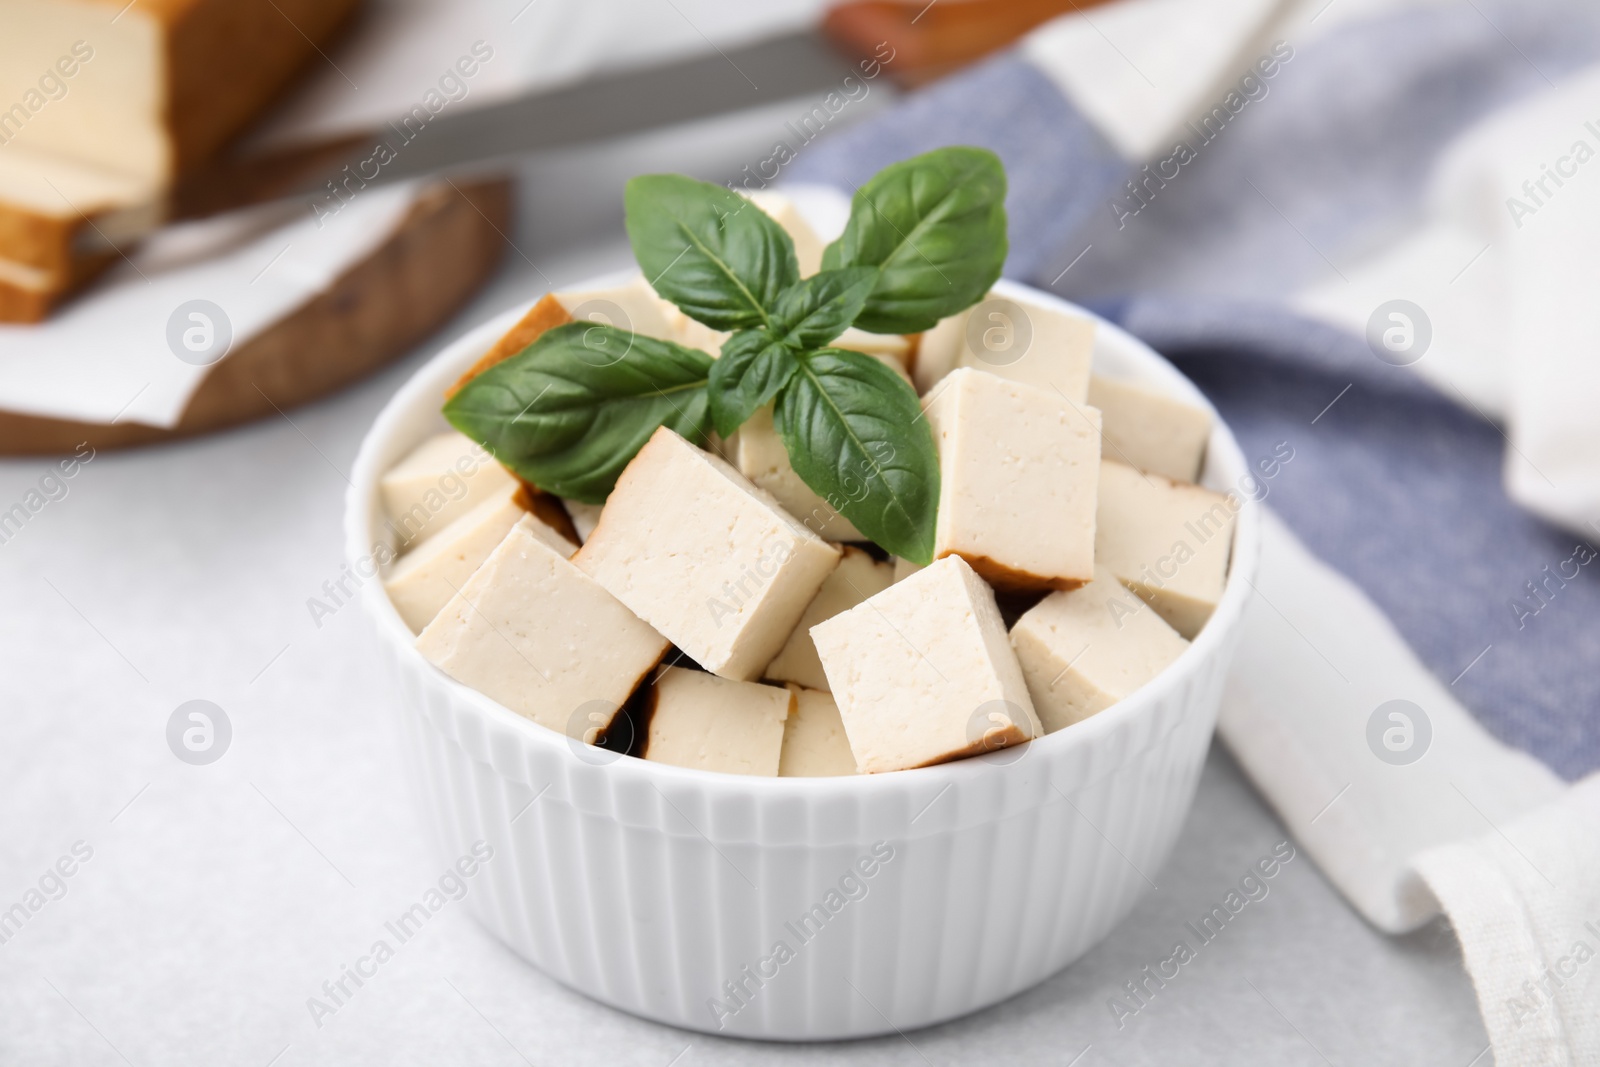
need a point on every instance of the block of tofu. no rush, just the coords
(150, 88)
(109, 101)
(425, 579)
(1150, 431)
(807, 245)
(814, 742)
(696, 550)
(758, 453)
(538, 635)
(708, 723)
(1084, 650)
(924, 672)
(1018, 467)
(1167, 541)
(585, 517)
(1023, 341)
(857, 577)
(442, 479)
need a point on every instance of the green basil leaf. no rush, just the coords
(820, 308)
(855, 434)
(936, 225)
(568, 412)
(753, 367)
(709, 250)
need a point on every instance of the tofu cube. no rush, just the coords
(892, 349)
(439, 481)
(1152, 432)
(692, 333)
(807, 245)
(1084, 650)
(758, 453)
(1020, 340)
(1167, 541)
(814, 742)
(547, 314)
(708, 723)
(924, 672)
(857, 577)
(705, 557)
(538, 635)
(1018, 468)
(425, 579)
(633, 305)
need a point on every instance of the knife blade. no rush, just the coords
(604, 107)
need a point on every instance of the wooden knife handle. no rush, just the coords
(932, 40)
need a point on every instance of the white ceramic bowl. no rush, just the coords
(666, 892)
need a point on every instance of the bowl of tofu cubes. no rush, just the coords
(742, 770)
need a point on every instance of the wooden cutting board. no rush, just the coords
(442, 251)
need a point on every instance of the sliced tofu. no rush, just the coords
(807, 245)
(857, 577)
(1084, 650)
(708, 723)
(758, 453)
(814, 742)
(1018, 469)
(696, 550)
(538, 635)
(1020, 340)
(924, 672)
(1167, 541)
(424, 580)
(585, 517)
(1152, 432)
(442, 479)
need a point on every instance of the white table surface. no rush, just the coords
(219, 898)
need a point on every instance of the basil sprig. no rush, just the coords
(926, 239)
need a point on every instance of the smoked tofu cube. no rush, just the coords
(892, 349)
(538, 635)
(692, 333)
(924, 672)
(857, 577)
(1084, 650)
(814, 742)
(1020, 340)
(807, 245)
(442, 479)
(705, 557)
(632, 305)
(707, 723)
(758, 453)
(1152, 432)
(425, 579)
(1167, 541)
(1018, 468)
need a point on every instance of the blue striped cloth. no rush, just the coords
(1395, 484)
